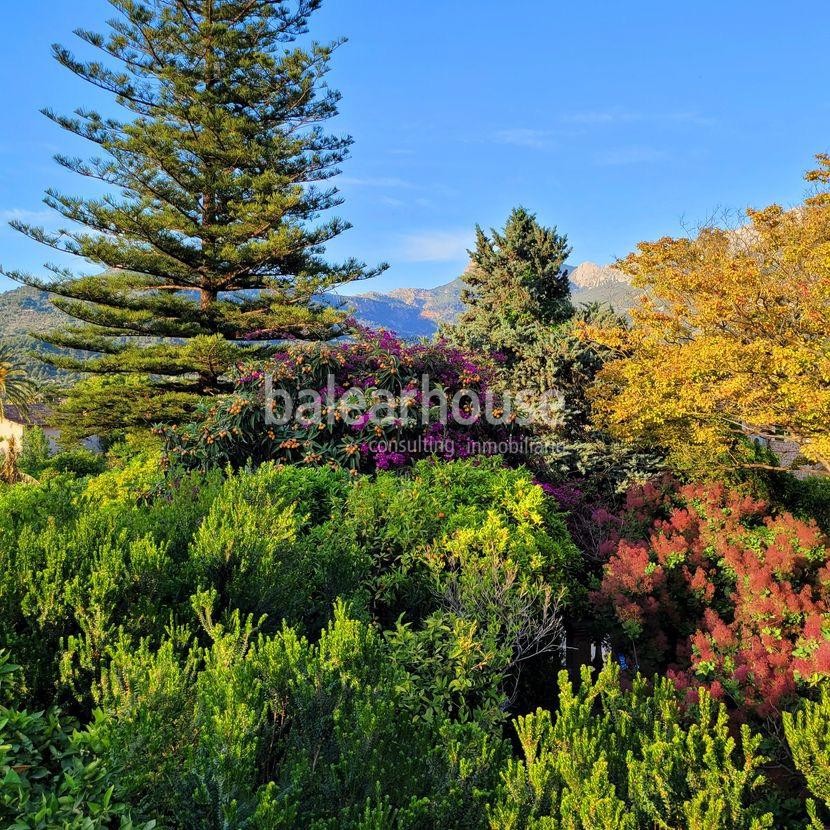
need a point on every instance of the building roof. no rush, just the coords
(37, 415)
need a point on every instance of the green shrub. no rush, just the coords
(416, 527)
(277, 732)
(467, 560)
(272, 544)
(808, 735)
(472, 570)
(135, 471)
(50, 775)
(27, 513)
(624, 760)
(78, 462)
(36, 452)
(75, 575)
(32, 506)
(466, 564)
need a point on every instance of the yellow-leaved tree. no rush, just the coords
(731, 340)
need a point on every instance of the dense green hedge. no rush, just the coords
(294, 647)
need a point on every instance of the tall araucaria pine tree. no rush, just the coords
(210, 237)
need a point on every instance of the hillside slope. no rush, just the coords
(411, 312)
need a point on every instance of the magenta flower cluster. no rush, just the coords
(236, 429)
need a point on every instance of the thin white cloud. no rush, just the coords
(390, 202)
(29, 217)
(435, 246)
(615, 115)
(622, 156)
(618, 115)
(382, 181)
(522, 137)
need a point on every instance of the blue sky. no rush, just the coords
(614, 121)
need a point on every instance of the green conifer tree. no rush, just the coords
(517, 289)
(209, 236)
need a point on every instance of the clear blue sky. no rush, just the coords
(614, 121)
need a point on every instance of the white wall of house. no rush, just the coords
(11, 429)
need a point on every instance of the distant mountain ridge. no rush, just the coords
(24, 310)
(411, 312)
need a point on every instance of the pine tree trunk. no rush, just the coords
(207, 297)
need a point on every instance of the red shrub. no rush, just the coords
(720, 594)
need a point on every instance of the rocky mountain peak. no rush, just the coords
(591, 275)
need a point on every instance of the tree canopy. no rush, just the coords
(516, 288)
(730, 341)
(208, 235)
(17, 388)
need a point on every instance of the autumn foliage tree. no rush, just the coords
(730, 340)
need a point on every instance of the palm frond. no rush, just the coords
(17, 388)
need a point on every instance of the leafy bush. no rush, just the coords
(135, 470)
(274, 731)
(373, 414)
(472, 570)
(469, 548)
(39, 458)
(78, 462)
(50, 775)
(74, 576)
(467, 565)
(724, 594)
(272, 543)
(36, 452)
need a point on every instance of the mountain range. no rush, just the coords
(411, 312)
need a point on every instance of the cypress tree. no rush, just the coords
(517, 289)
(210, 239)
